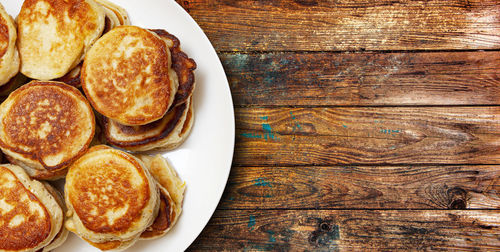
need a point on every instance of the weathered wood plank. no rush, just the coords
(321, 25)
(437, 78)
(330, 230)
(358, 187)
(367, 135)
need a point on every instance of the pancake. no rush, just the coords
(45, 126)
(165, 134)
(111, 21)
(182, 65)
(55, 34)
(30, 217)
(62, 235)
(111, 197)
(119, 12)
(127, 76)
(171, 195)
(9, 56)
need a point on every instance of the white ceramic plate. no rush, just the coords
(204, 160)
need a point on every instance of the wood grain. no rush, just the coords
(361, 187)
(375, 135)
(346, 79)
(331, 230)
(321, 25)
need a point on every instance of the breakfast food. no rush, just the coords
(117, 14)
(171, 130)
(111, 198)
(140, 84)
(55, 34)
(114, 16)
(44, 127)
(183, 66)
(164, 134)
(31, 219)
(62, 235)
(171, 195)
(9, 56)
(127, 76)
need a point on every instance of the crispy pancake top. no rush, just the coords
(53, 35)
(125, 76)
(108, 190)
(39, 120)
(24, 220)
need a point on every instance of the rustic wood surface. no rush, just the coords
(363, 187)
(362, 135)
(340, 25)
(360, 125)
(354, 79)
(331, 230)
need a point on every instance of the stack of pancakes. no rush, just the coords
(39, 119)
(137, 82)
(31, 212)
(114, 207)
(142, 84)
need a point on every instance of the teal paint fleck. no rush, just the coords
(251, 135)
(267, 196)
(264, 117)
(389, 131)
(271, 236)
(231, 198)
(345, 126)
(392, 147)
(297, 125)
(251, 222)
(262, 182)
(268, 132)
(266, 127)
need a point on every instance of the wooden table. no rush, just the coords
(360, 125)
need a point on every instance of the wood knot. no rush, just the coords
(457, 198)
(325, 235)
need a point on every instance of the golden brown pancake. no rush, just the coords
(127, 76)
(111, 197)
(165, 134)
(171, 195)
(183, 66)
(62, 235)
(72, 78)
(55, 34)
(30, 217)
(45, 126)
(9, 56)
